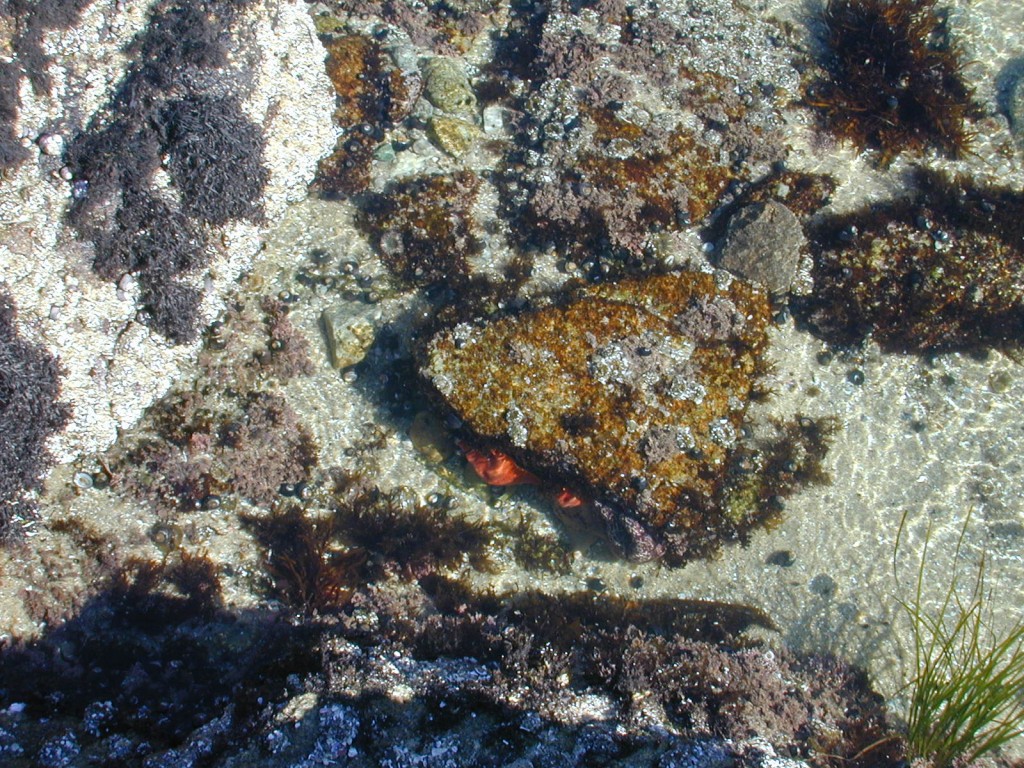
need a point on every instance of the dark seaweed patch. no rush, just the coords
(894, 81)
(11, 151)
(29, 414)
(938, 272)
(31, 20)
(214, 156)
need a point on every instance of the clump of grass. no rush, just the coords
(967, 695)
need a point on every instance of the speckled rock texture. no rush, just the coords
(639, 120)
(632, 394)
(70, 85)
(763, 244)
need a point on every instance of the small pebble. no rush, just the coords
(823, 585)
(1000, 382)
(782, 558)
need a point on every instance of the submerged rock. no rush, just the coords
(763, 245)
(630, 394)
(938, 272)
(447, 87)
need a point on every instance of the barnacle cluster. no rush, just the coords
(592, 171)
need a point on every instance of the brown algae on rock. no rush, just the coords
(372, 96)
(423, 227)
(936, 273)
(631, 394)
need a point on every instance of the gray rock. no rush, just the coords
(763, 245)
(349, 333)
(114, 365)
(1015, 107)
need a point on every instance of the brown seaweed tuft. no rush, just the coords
(893, 80)
(404, 535)
(308, 570)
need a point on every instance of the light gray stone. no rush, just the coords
(349, 334)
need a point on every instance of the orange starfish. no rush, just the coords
(497, 468)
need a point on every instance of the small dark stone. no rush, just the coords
(1015, 107)
(782, 558)
(855, 376)
(823, 585)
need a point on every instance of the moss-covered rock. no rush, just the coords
(631, 394)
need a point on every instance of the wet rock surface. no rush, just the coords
(632, 394)
(159, 139)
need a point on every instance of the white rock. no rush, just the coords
(114, 368)
(51, 144)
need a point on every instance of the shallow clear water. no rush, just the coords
(930, 441)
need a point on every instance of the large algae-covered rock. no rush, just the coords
(632, 394)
